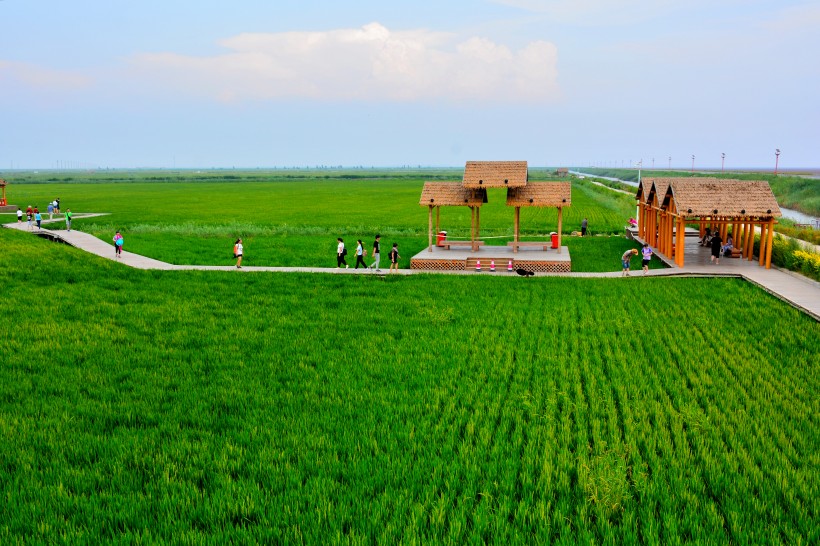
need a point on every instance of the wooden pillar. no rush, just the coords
(477, 226)
(438, 219)
(762, 248)
(770, 244)
(517, 222)
(430, 228)
(472, 226)
(679, 242)
(560, 226)
(750, 241)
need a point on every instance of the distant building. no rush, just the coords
(562, 171)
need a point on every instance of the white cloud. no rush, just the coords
(37, 78)
(369, 63)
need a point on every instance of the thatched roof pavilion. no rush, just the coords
(495, 174)
(539, 194)
(721, 204)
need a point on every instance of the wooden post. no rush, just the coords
(762, 248)
(560, 226)
(682, 239)
(430, 228)
(438, 219)
(472, 226)
(770, 244)
(477, 226)
(750, 241)
(517, 223)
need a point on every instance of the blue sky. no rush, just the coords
(253, 83)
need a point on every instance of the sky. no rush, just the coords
(284, 83)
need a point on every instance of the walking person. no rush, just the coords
(68, 219)
(625, 259)
(29, 216)
(238, 250)
(376, 255)
(50, 211)
(394, 258)
(19, 216)
(118, 245)
(360, 254)
(38, 218)
(57, 205)
(584, 225)
(341, 252)
(647, 256)
(717, 245)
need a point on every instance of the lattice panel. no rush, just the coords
(437, 265)
(544, 267)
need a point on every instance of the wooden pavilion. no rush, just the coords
(736, 207)
(451, 194)
(472, 193)
(539, 194)
(3, 190)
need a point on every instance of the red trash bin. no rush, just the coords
(554, 237)
(441, 236)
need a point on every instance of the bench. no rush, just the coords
(447, 244)
(543, 244)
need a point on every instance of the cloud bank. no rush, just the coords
(365, 64)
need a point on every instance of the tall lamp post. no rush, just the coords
(670, 162)
(693, 163)
(722, 160)
(776, 159)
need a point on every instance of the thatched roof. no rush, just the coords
(541, 194)
(495, 174)
(451, 194)
(721, 197)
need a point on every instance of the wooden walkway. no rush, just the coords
(796, 290)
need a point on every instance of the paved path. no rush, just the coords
(798, 291)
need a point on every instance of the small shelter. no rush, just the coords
(539, 194)
(3, 196)
(451, 194)
(739, 207)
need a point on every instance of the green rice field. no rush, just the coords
(212, 407)
(292, 218)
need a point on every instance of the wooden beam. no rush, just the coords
(762, 248)
(680, 242)
(477, 226)
(438, 219)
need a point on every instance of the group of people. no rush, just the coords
(361, 253)
(715, 243)
(33, 215)
(626, 258)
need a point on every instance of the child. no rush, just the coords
(118, 245)
(394, 258)
(647, 256)
(627, 256)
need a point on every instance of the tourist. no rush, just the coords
(584, 225)
(625, 258)
(376, 255)
(647, 256)
(68, 219)
(238, 250)
(19, 216)
(394, 258)
(38, 218)
(118, 245)
(360, 254)
(29, 216)
(57, 205)
(50, 211)
(707, 238)
(341, 252)
(717, 244)
(728, 247)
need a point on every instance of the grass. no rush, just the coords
(292, 218)
(207, 407)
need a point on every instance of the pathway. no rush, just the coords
(796, 290)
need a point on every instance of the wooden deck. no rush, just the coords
(465, 259)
